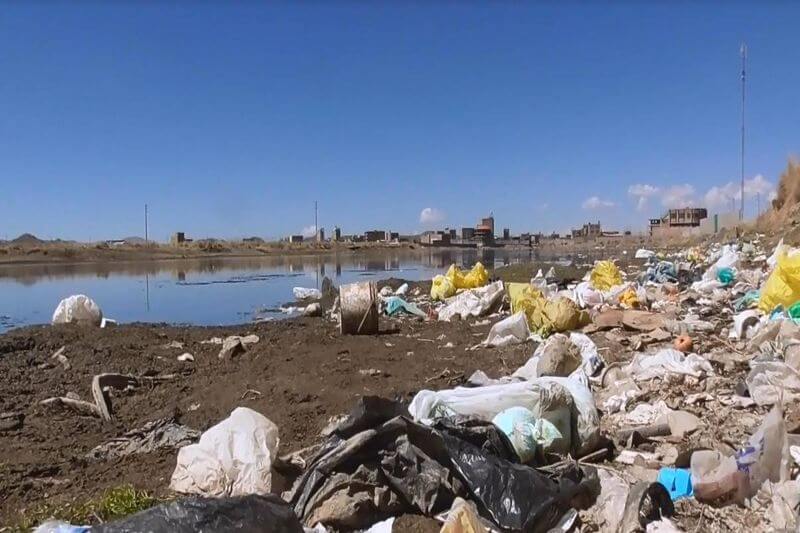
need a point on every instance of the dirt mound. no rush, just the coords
(786, 205)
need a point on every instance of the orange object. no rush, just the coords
(684, 343)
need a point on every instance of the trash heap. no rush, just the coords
(658, 397)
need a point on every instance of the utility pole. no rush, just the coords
(743, 52)
(758, 204)
(316, 225)
(146, 239)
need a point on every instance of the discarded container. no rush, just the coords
(78, 309)
(678, 482)
(358, 303)
(766, 457)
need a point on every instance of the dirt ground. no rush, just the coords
(301, 373)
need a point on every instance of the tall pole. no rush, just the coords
(316, 226)
(146, 239)
(743, 51)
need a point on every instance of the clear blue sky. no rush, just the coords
(230, 120)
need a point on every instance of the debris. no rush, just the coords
(677, 481)
(156, 435)
(473, 302)
(395, 304)
(526, 432)
(231, 347)
(61, 358)
(302, 293)
(79, 406)
(443, 287)
(186, 357)
(177, 345)
(233, 458)
(249, 512)
(358, 308)
(642, 320)
(313, 310)
(605, 275)
(78, 309)
(684, 344)
(10, 421)
(510, 330)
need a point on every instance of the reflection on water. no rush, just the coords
(217, 290)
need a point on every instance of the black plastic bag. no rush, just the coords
(241, 514)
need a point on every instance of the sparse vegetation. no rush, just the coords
(114, 503)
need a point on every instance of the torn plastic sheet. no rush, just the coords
(668, 362)
(510, 330)
(473, 302)
(240, 514)
(399, 466)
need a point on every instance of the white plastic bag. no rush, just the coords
(79, 309)
(641, 253)
(510, 330)
(668, 362)
(233, 458)
(303, 293)
(769, 380)
(473, 302)
(586, 296)
(728, 259)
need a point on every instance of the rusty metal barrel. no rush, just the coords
(358, 308)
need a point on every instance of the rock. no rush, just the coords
(682, 423)
(560, 357)
(314, 309)
(11, 420)
(231, 347)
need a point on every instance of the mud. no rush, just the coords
(301, 373)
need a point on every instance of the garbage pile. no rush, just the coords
(661, 396)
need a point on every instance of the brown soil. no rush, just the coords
(303, 370)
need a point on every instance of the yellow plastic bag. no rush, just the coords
(545, 316)
(605, 275)
(442, 288)
(783, 285)
(477, 277)
(629, 298)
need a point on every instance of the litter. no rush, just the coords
(668, 362)
(303, 293)
(78, 309)
(605, 275)
(783, 285)
(233, 458)
(677, 481)
(443, 287)
(641, 253)
(394, 305)
(474, 302)
(510, 330)
(526, 432)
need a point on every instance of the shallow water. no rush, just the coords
(215, 291)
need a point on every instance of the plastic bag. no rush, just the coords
(668, 362)
(726, 275)
(641, 253)
(728, 258)
(526, 432)
(78, 309)
(395, 305)
(605, 275)
(474, 302)
(232, 458)
(766, 457)
(783, 285)
(587, 296)
(243, 514)
(442, 288)
(769, 381)
(629, 299)
(463, 518)
(303, 293)
(545, 316)
(511, 330)
(477, 277)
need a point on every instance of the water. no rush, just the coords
(213, 291)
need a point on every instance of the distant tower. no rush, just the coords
(743, 52)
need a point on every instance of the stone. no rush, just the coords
(560, 357)
(10, 421)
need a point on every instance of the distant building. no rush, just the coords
(376, 235)
(177, 238)
(295, 239)
(435, 238)
(467, 234)
(588, 231)
(320, 234)
(337, 234)
(675, 220)
(506, 234)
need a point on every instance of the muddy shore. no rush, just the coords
(301, 373)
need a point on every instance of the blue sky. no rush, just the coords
(230, 121)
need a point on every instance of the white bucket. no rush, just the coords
(358, 308)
